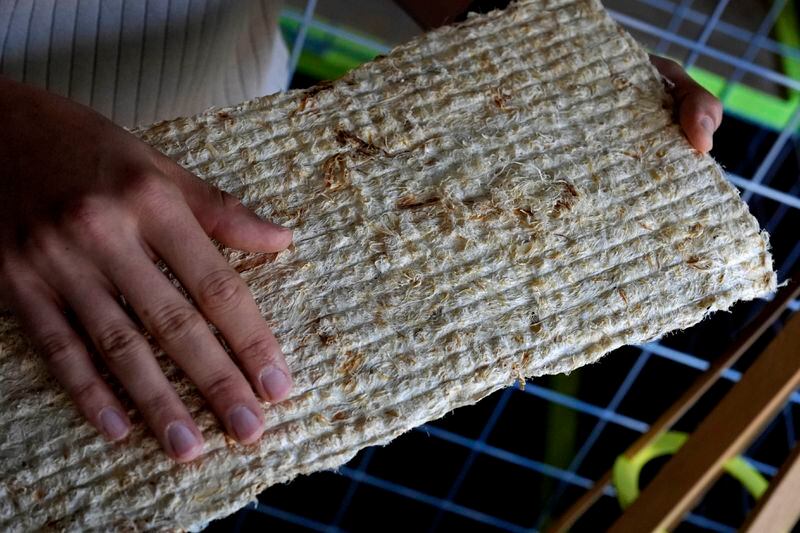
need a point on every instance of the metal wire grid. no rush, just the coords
(757, 190)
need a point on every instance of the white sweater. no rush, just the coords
(139, 61)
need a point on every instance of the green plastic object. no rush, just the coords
(326, 56)
(625, 475)
(766, 109)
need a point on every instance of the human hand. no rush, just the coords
(85, 211)
(698, 111)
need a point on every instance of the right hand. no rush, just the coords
(86, 209)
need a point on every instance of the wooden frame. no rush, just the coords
(726, 431)
(779, 508)
(763, 390)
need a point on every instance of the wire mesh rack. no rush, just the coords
(519, 457)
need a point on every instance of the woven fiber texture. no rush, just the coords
(503, 198)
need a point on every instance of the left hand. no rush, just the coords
(698, 111)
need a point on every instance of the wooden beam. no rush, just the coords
(771, 312)
(779, 508)
(733, 423)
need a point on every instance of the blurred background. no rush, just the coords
(518, 458)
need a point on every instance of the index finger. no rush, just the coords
(225, 300)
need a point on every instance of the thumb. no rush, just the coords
(224, 218)
(699, 112)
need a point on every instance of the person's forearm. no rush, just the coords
(434, 13)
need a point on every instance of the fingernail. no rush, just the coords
(113, 423)
(707, 124)
(244, 422)
(275, 382)
(278, 227)
(181, 439)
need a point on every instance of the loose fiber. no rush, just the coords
(503, 198)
